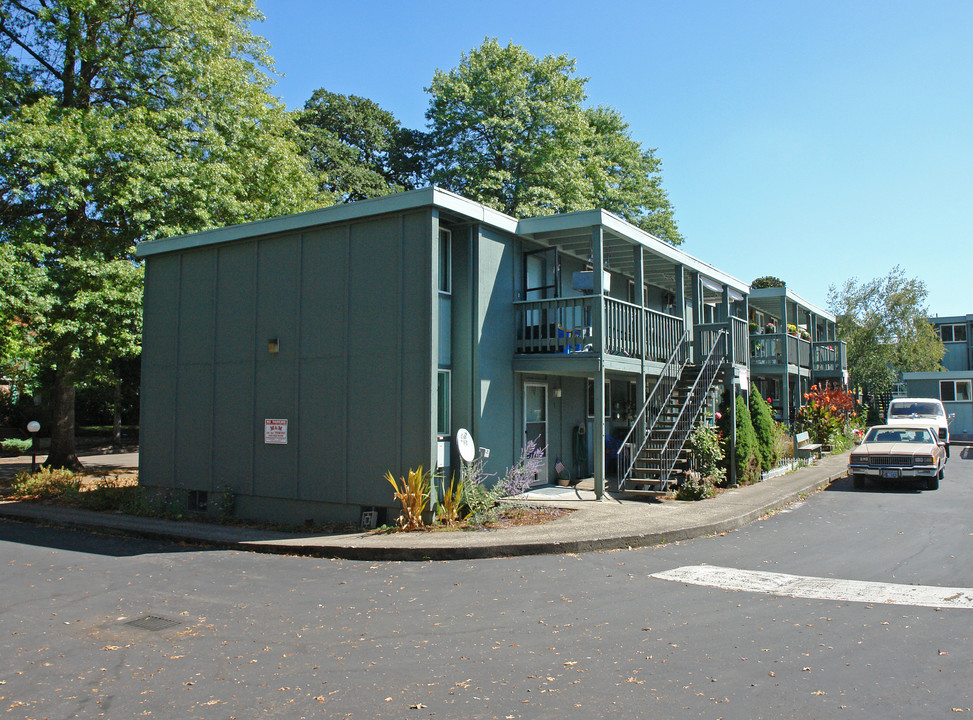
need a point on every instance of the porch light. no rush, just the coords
(273, 346)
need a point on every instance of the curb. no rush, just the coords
(285, 545)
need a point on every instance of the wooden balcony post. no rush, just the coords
(598, 337)
(638, 259)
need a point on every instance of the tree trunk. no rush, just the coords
(116, 431)
(63, 453)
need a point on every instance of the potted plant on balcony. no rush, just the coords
(792, 330)
(770, 328)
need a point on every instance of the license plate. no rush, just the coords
(891, 474)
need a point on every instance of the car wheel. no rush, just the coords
(858, 481)
(932, 483)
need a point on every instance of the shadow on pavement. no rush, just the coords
(845, 485)
(83, 541)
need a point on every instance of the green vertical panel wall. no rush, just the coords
(499, 396)
(418, 368)
(160, 317)
(323, 470)
(352, 306)
(462, 323)
(194, 390)
(234, 367)
(276, 391)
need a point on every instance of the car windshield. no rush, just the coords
(899, 435)
(917, 409)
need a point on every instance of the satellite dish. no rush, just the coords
(465, 444)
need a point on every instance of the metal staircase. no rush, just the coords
(654, 455)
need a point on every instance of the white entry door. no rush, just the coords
(535, 422)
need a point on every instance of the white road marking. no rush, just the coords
(817, 588)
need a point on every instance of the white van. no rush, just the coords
(930, 411)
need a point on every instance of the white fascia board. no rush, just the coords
(410, 200)
(625, 229)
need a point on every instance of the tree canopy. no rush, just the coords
(767, 281)
(356, 149)
(510, 130)
(126, 120)
(885, 322)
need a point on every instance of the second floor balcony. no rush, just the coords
(565, 326)
(774, 351)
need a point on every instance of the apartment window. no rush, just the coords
(590, 404)
(952, 333)
(954, 390)
(445, 261)
(442, 404)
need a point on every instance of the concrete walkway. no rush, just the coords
(610, 524)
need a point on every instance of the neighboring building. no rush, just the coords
(954, 385)
(294, 361)
(793, 346)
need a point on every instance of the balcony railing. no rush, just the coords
(779, 349)
(737, 349)
(830, 356)
(563, 325)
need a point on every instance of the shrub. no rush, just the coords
(762, 418)
(695, 487)
(783, 441)
(46, 484)
(483, 502)
(827, 414)
(747, 457)
(413, 493)
(13, 446)
(705, 446)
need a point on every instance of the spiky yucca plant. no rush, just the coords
(414, 496)
(451, 502)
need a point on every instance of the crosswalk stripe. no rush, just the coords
(818, 588)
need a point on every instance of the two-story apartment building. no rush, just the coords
(954, 386)
(793, 345)
(294, 361)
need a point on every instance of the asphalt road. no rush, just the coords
(594, 635)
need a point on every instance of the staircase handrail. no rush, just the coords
(665, 373)
(710, 367)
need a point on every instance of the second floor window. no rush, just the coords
(952, 333)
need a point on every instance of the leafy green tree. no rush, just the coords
(510, 130)
(126, 120)
(357, 149)
(885, 323)
(762, 418)
(625, 178)
(767, 281)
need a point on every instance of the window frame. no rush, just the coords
(445, 261)
(955, 386)
(444, 408)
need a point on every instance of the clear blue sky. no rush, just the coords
(814, 141)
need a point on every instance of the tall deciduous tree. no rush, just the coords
(885, 323)
(510, 130)
(357, 149)
(127, 120)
